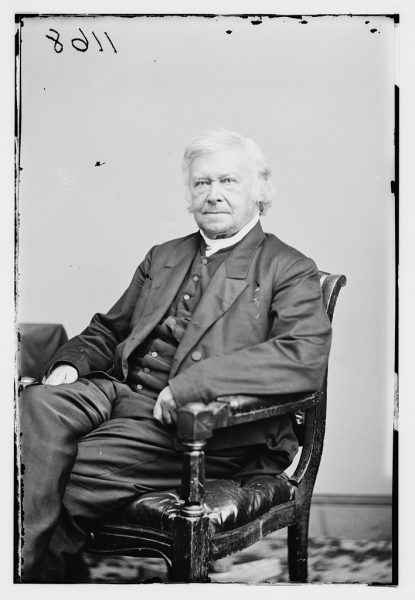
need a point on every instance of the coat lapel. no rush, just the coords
(165, 285)
(224, 288)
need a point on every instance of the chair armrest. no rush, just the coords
(197, 421)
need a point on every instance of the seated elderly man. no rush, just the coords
(226, 310)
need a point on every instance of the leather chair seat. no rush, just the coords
(228, 503)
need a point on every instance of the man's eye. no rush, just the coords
(228, 180)
(201, 183)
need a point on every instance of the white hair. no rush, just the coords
(223, 139)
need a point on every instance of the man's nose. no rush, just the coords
(215, 192)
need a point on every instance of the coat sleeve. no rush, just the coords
(293, 358)
(94, 348)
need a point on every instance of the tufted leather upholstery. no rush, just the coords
(228, 503)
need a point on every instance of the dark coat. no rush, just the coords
(260, 328)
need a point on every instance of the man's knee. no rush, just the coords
(36, 398)
(78, 407)
(37, 391)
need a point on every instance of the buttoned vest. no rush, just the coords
(150, 364)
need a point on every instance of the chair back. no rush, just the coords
(330, 288)
(310, 425)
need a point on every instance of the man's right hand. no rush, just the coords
(61, 374)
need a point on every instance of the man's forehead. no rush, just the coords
(221, 161)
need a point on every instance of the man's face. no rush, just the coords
(221, 187)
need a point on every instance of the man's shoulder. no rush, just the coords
(284, 260)
(174, 250)
(170, 245)
(281, 250)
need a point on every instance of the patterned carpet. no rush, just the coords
(330, 561)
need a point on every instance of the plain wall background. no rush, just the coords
(317, 97)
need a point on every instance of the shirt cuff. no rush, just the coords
(57, 364)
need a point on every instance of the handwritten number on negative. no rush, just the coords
(98, 42)
(110, 41)
(58, 46)
(84, 42)
(81, 44)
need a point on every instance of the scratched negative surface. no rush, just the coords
(107, 104)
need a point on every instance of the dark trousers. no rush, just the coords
(82, 457)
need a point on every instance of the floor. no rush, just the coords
(349, 543)
(331, 560)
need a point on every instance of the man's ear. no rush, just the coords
(188, 201)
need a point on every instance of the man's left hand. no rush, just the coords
(165, 409)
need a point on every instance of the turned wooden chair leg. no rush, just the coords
(298, 549)
(190, 560)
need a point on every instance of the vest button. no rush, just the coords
(204, 261)
(139, 386)
(196, 355)
(154, 354)
(195, 278)
(186, 297)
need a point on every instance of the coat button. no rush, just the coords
(186, 297)
(146, 370)
(139, 386)
(204, 261)
(196, 355)
(154, 354)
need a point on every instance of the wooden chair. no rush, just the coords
(208, 520)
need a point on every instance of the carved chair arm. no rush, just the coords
(197, 421)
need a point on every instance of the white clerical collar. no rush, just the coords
(213, 246)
